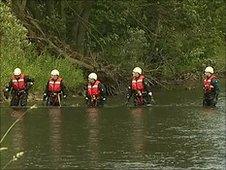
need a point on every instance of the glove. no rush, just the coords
(150, 93)
(44, 97)
(64, 96)
(151, 96)
(104, 99)
(86, 98)
(29, 85)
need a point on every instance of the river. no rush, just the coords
(176, 133)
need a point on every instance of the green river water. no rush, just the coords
(176, 133)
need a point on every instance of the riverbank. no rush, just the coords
(38, 58)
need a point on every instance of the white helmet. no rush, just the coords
(17, 72)
(137, 70)
(55, 72)
(209, 70)
(93, 76)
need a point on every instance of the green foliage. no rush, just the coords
(16, 51)
(13, 34)
(174, 36)
(127, 53)
(179, 37)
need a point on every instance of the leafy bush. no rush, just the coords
(16, 51)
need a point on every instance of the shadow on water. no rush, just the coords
(177, 133)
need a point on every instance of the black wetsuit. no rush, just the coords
(210, 98)
(147, 99)
(19, 97)
(53, 98)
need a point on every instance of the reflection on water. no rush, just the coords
(138, 130)
(19, 142)
(93, 116)
(172, 135)
(55, 136)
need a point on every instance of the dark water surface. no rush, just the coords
(177, 133)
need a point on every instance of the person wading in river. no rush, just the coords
(140, 89)
(18, 86)
(55, 90)
(211, 88)
(95, 91)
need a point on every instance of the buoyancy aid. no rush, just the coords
(93, 89)
(19, 84)
(207, 83)
(138, 84)
(55, 86)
